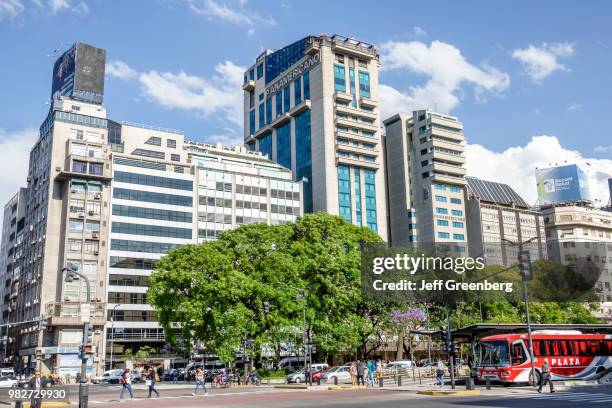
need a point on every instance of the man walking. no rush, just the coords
(200, 382)
(545, 377)
(151, 380)
(360, 372)
(35, 383)
(440, 367)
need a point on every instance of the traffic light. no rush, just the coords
(447, 342)
(524, 265)
(87, 334)
(43, 323)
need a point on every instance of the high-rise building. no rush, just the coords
(498, 220)
(312, 107)
(110, 199)
(425, 164)
(11, 261)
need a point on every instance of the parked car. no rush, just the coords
(319, 367)
(296, 377)
(8, 381)
(426, 362)
(341, 373)
(108, 377)
(7, 372)
(289, 363)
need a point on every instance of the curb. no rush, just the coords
(348, 388)
(49, 404)
(292, 387)
(449, 393)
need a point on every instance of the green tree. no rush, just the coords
(144, 353)
(128, 354)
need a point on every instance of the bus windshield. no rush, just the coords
(492, 353)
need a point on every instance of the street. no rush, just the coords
(392, 397)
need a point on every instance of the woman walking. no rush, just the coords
(151, 380)
(126, 384)
(440, 373)
(200, 382)
(353, 373)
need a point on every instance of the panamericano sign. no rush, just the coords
(302, 67)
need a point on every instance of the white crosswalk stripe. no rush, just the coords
(597, 398)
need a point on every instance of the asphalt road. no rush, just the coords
(107, 396)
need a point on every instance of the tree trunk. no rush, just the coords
(400, 345)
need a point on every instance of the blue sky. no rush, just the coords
(530, 81)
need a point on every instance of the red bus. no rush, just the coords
(571, 355)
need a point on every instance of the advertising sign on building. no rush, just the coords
(561, 184)
(79, 73)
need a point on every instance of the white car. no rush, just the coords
(8, 381)
(342, 373)
(110, 377)
(399, 364)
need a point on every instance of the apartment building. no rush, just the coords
(498, 220)
(312, 107)
(425, 164)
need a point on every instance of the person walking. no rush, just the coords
(545, 377)
(35, 383)
(371, 367)
(200, 382)
(353, 373)
(151, 380)
(440, 367)
(126, 384)
(360, 372)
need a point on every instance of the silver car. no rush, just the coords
(296, 377)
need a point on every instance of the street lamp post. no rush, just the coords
(520, 245)
(304, 333)
(72, 274)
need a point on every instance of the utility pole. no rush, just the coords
(450, 348)
(112, 335)
(86, 347)
(524, 265)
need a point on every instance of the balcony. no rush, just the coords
(367, 102)
(444, 144)
(282, 119)
(358, 163)
(449, 178)
(349, 148)
(358, 138)
(249, 85)
(356, 112)
(358, 125)
(343, 96)
(449, 169)
(353, 47)
(69, 313)
(145, 335)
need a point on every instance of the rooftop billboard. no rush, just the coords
(561, 184)
(79, 74)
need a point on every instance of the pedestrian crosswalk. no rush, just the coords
(596, 398)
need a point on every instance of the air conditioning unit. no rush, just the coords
(81, 215)
(95, 252)
(97, 196)
(90, 212)
(73, 190)
(58, 168)
(94, 235)
(98, 332)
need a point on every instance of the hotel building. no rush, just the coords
(425, 164)
(498, 219)
(312, 107)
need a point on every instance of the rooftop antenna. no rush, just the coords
(56, 51)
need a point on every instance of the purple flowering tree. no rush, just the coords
(404, 322)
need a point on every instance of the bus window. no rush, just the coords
(518, 354)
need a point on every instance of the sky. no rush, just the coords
(529, 80)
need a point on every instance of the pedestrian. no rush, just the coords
(353, 373)
(360, 372)
(35, 383)
(152, 378)
(370, 367)
(200, 382)
(126, 384)
(440, 373)
(545, 377)
(174, 375)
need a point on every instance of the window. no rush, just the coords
(440, 210)
(75, 225)
(443, 235)
(260, 71)
(96, 168)
(306, 86)
(154, 140)
(93, 207)
(79, 166)
(149, 153)
(91, 246)
(364, 84)
(457, 224)
(455, 200)
(458, 237)
(252, 74)
(297, 91)
(171, 143)
(339, 78)
(455, 189)
(74, 245)
(443, 223)
(90, 267)
(156, 181)
(279, 103)
(151, 213)
(424, 163)
(141, 246)
(440, 199)
(150, 230)
(92, 226)
(76, 134)
(262, 115)
(77, 206)
(78, 149)
(94, 151)
(457, 213)
(175, 157)
(91, 136)
(286, 98)
(439, 186)
(252, 121)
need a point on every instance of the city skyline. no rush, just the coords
(526, 81)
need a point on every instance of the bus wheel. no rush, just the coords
(600, 370)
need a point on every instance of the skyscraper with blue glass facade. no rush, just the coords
(312, 106)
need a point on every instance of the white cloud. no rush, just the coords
(15, 155)
(418, 31)
(219, 95)
(121, 70)
(540, 62)
(447, 69)
(602, 149)
(516, 166)
(58, 5)
(11, 8)
(226, 11)
(250, 32)
(574, 107)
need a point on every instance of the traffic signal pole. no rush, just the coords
(450, 348)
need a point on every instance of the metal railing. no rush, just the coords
(73, 309)
(155, 128)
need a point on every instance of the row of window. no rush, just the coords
(128, 280)
(127, 298)
(543, 348)
(150, 197)
(75, 225)
(79, 206)
(443, 187)
(444, 211)
(445, 223)
(89, 246)
(131, 263)
(456, 237)
(151, 213)
(444, 199)
(95, 169)
(150, 230)
(156, 181)
(131, 316)
(142, 246)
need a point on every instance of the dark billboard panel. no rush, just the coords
(79, 74)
